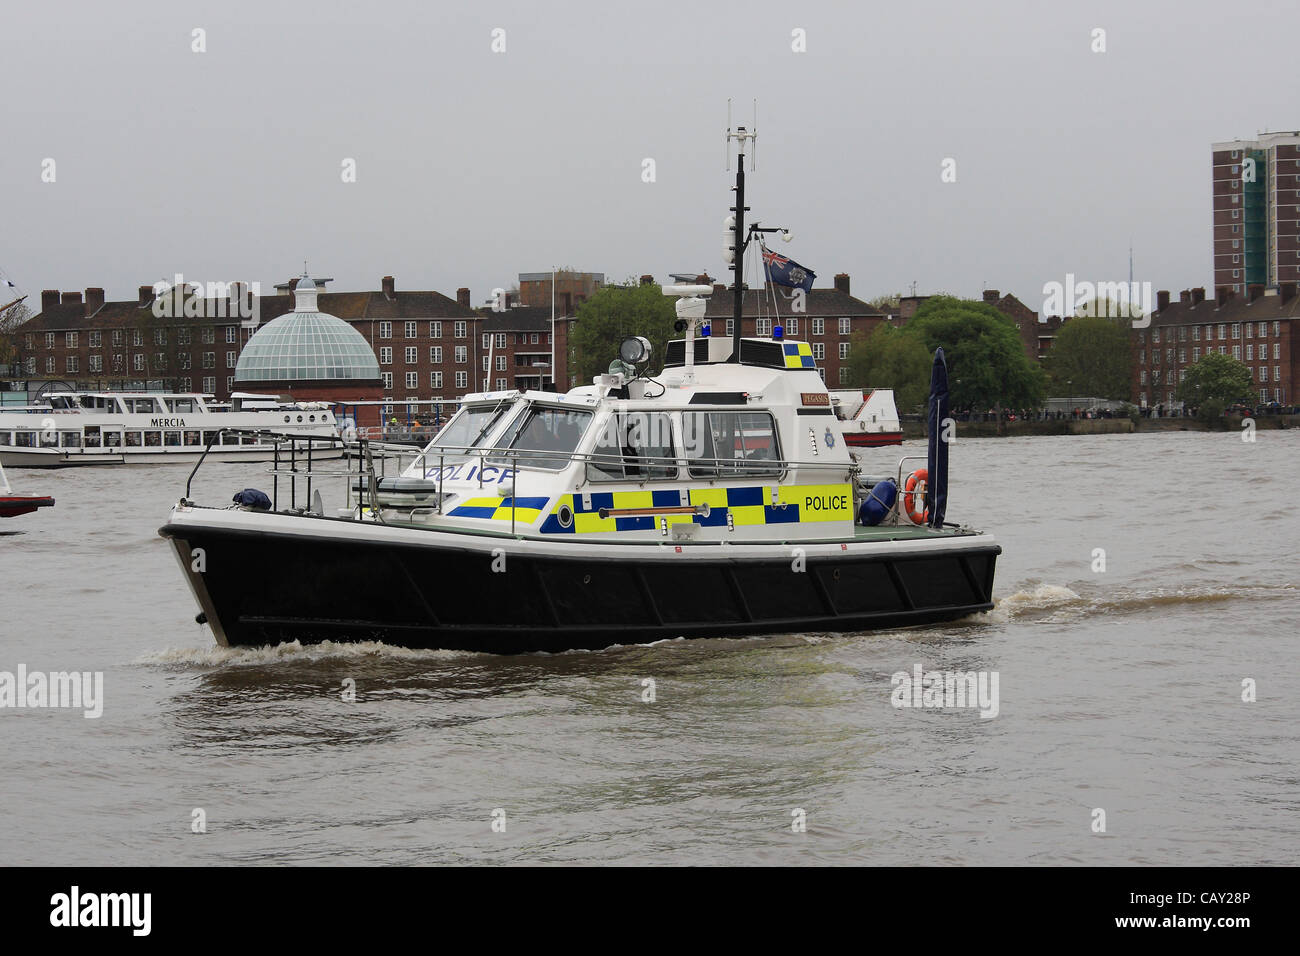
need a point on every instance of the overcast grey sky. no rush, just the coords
(473, 166)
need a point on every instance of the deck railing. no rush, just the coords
(299, 461)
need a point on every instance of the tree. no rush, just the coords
(1218, 379)
(888, 304)
(11, 317)
(1092, 357)
(616, 312)
(890, 358)
(987, 365)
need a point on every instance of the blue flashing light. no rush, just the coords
(778, 332)
(705, 331)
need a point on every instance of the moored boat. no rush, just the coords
(867, 419)
(113, 428)
(12, 504)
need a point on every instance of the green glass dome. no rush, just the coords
(307, 345)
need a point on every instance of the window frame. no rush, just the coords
(595, 474)
(720, 472)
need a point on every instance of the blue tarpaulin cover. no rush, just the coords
(252, 498)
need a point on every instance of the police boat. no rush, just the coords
(717, 498)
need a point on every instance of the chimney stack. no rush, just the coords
(389, 286)
(1162, 300)
(49, 299)
(1185, 297)
(1222, 294)
(94, 300)
(719, 288)
(647, 280)
(1254, 291)
(991, 296)
(842, 283)
(146, 294)
(71, 298)
(1287, 291)
(1198, 295)
(462, 297)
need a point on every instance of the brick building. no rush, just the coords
(1255, 189)
(515, 349)
(1257, 328)
(429, 347)
(829, 321)
(427, 344)
(571, 289)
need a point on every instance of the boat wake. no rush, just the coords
(1041, 597)
(216, 656)
(1052, 598)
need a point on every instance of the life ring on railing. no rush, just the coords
(914, 496)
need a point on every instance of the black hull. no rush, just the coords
(260, 588)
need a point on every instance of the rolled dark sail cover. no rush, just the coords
(936, 489)
(252, 498)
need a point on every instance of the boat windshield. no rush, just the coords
(544, 437)
(469, 427)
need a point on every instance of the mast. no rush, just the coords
(738, 267)
(739, 238)
(741, 235)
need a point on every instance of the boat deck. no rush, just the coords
(902, 532)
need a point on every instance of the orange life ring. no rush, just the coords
(914, 496)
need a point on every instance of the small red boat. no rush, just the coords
(12, 505)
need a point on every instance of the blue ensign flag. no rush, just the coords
(787, 272)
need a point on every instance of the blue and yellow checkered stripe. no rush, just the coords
(525, 510)
(798, 355)
(746, 506)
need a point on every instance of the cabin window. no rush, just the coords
(545, 437)
(134, 439)
(25, 439)
(92, 436)
(49, 439)
(469, 426)
(70, 439)
(183, 406)
(112, 439)
(635, 446)
(192, 438)
(153, 439)
(210, 438)
(727, 444)
(6, 438)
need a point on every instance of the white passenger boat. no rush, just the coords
(715, 498)
(114, 428)
(867, 419)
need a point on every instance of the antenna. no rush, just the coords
(726, 140)
(753, 156)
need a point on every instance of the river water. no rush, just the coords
(1119, 694)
